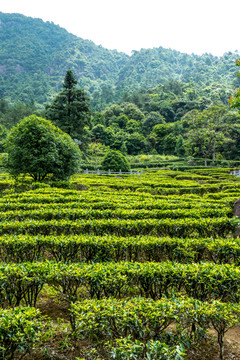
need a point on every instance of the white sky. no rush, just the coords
(192, 26)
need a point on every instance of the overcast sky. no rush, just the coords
(203, 26)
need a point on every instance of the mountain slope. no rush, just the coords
(34, 56)
(149, 67)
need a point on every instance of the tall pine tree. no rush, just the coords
(70, 110)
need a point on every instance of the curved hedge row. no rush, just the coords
(90, 248)
(75, 214)
(165, 227)
(205, 281)
(143, 320)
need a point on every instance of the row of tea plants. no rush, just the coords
(142, 266)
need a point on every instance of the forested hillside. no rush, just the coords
(35, 55)
(149, 67)
(158, 101)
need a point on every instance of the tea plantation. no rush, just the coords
(120, 267)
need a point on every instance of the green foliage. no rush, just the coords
(75, 214)
(36, 73)
(70, 110)
(163, 138)
(20, 329)
(35, 55)
(152, 119)
(22, 283)
(115, 161)
(130, 110)
(3, 135)
(161, 65)
(11, 114)
(235, 99)
(90, 248)
(179, 149)
(164, 227)
(114, 319)
(102, 134)
(37, 148)
(208, 131)
(141, 296)
(135, 93)
(126, 349)
(97, 150)
(136, 143)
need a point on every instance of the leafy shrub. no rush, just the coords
(20, 329)
(126, 349)
(115, 161)
(37, 148)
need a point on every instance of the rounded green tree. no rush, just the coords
(115, 161)
(37, 148)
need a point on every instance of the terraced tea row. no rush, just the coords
(117, 326)
(120, 319)
(215, 227)
(114, 202)
(22, 283)
(107, 240)
(76, 214)
(89, 248)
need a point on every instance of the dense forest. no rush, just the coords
(156, 101)
(34, 56)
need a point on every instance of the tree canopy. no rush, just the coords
(37, 148)
(33, 62)
(209, 130)
(235, 99)
(70, 109)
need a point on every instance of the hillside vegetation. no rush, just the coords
(34, 56)
(156, 101)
